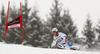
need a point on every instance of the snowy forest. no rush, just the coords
(37, 32)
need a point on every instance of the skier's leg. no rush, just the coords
(61, 46)
(75, 48)
(72, 47)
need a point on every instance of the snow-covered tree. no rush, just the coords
(46, 38)
(67, 26)
(25, 15)
(98, 30)
(34, 29)
(3, 23)
(55, 14)
(90, 36)
(61, 21)
(54, 19)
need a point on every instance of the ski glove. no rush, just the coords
(69, 43)
(50, 47)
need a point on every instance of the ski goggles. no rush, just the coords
(53, 31)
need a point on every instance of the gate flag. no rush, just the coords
(15, 23)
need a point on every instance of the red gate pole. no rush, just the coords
(21, 23)
(6, 21)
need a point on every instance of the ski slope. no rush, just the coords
(19, 49)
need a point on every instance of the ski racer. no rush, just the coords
(60, 40)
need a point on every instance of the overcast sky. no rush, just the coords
(79, 9)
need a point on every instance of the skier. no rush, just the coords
(60, 41)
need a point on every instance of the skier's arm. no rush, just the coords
(68, 42)
(66, 38)
(53, 44)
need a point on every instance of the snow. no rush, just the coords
(19, 49)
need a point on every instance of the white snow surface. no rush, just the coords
(19, 49)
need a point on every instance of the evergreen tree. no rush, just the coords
(90, 36)
(46, 38)
(64, 23)
(98, 30)
(54, 19)
(99, 38)
(25, 15)
(67, 26)
(34, 29)
(3, 23)
(55, 14)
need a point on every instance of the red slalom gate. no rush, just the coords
(15, 23)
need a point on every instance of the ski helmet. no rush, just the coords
(54, 30)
